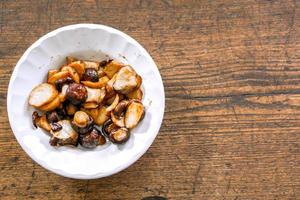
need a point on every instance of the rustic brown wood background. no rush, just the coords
(231, 71)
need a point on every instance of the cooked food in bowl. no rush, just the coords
(81, 96)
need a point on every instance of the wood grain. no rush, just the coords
(231, 71)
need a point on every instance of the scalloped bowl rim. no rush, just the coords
(36, 44)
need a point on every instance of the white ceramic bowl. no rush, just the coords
(93, 42)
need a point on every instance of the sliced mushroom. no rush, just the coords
(65, 136)
(42, 94)
(72, 72)
(99, 84)
(112, 67)
(40, 121)
(119, 121)
(136, 94)
(103, 115)
(117, 115)
(134, 113)
(139, 81)
(109, 86)
(79, 66)
(76, 93)
(95, 95)
(52, 105)
(126, 80)
(59, 75)
(114, 103)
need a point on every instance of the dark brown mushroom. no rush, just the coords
(120, 108)
(76, 93)
(92, 139)
(90, 74)
(108, 127)
(55, 126)
(114, 133)
(35, 118)
(119, 136)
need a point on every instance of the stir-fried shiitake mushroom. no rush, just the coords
(115, 134)
(90, 74)
(92, 139)
(40, 121)
(82, 122)
(82, 95)
(65, 135)
(76, 93)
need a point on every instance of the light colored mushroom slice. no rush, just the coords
(66, 135)
(52, 72)
(62, 94)
(135, 94)
(126, 80)
(95, 95)
(119, 121)
(58, 75)
(102, 116)
(79, 66)
(72, 72)
(42, 94)
(134, 113)
(112, 67)
(70, 59)
(114, 103)
(91, 64)
(90, 105)
(52, 105)
(139, 81)
(109, 87)
(101, 83)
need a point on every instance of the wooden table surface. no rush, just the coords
(231, 71)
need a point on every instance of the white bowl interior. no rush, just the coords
(91, 42)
